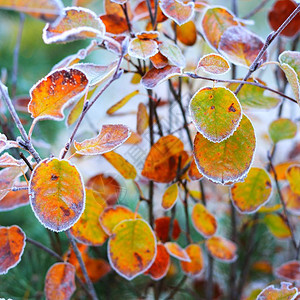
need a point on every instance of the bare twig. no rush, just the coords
(176, 288)
(25, 143)
(283, 205)
(256, 9)
(258, 60)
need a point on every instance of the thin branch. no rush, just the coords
(210, 279)
(296, 246)
(87, 106)
(16, 57)
(25, 143)
(82, 266)
(258, 60)
(256, 9)
(192, 75)
(177, 288)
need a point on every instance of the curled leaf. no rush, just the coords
(109, 138)
(176, 251)
(77, 23)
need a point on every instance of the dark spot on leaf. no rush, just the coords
(212, 107)
(139, 259)
(54, 177)
(268, 183)
(65, 211)
(231, 108)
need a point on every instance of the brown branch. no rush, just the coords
(192, 75)
(82, 266)
(257, 62)
(256, 9)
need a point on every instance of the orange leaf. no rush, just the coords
(50, 198)
(60, 281)
(142, 122)
(204, 222)
(228, 160)
(293, 176)
(114, 23)
(132, 248)
(87, 229)
(15, 199)
(255, 191)
(126, 169)
(162, 228)
(279, 13)
(286, 292)
(143, 49)
(109, 138)
(170, 196)
(121, 103)
(214, 22)
(162, 161)
(193, 172)
(213, 64)
(108, 188)
(112, 216)
(292, 200)
(51, 94)
(46, 10)
(159, 61)
(221, 249)
(177, 11)
(156, 76)
(187, 33)
(289, 271)
(176, 251)
(196, 266)
(216, 113)
(281, 169)
(161, 265)
(147, 35)
(241, 46)
(12, 244)
(78, 23)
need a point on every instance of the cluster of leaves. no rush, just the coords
(154, 38)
